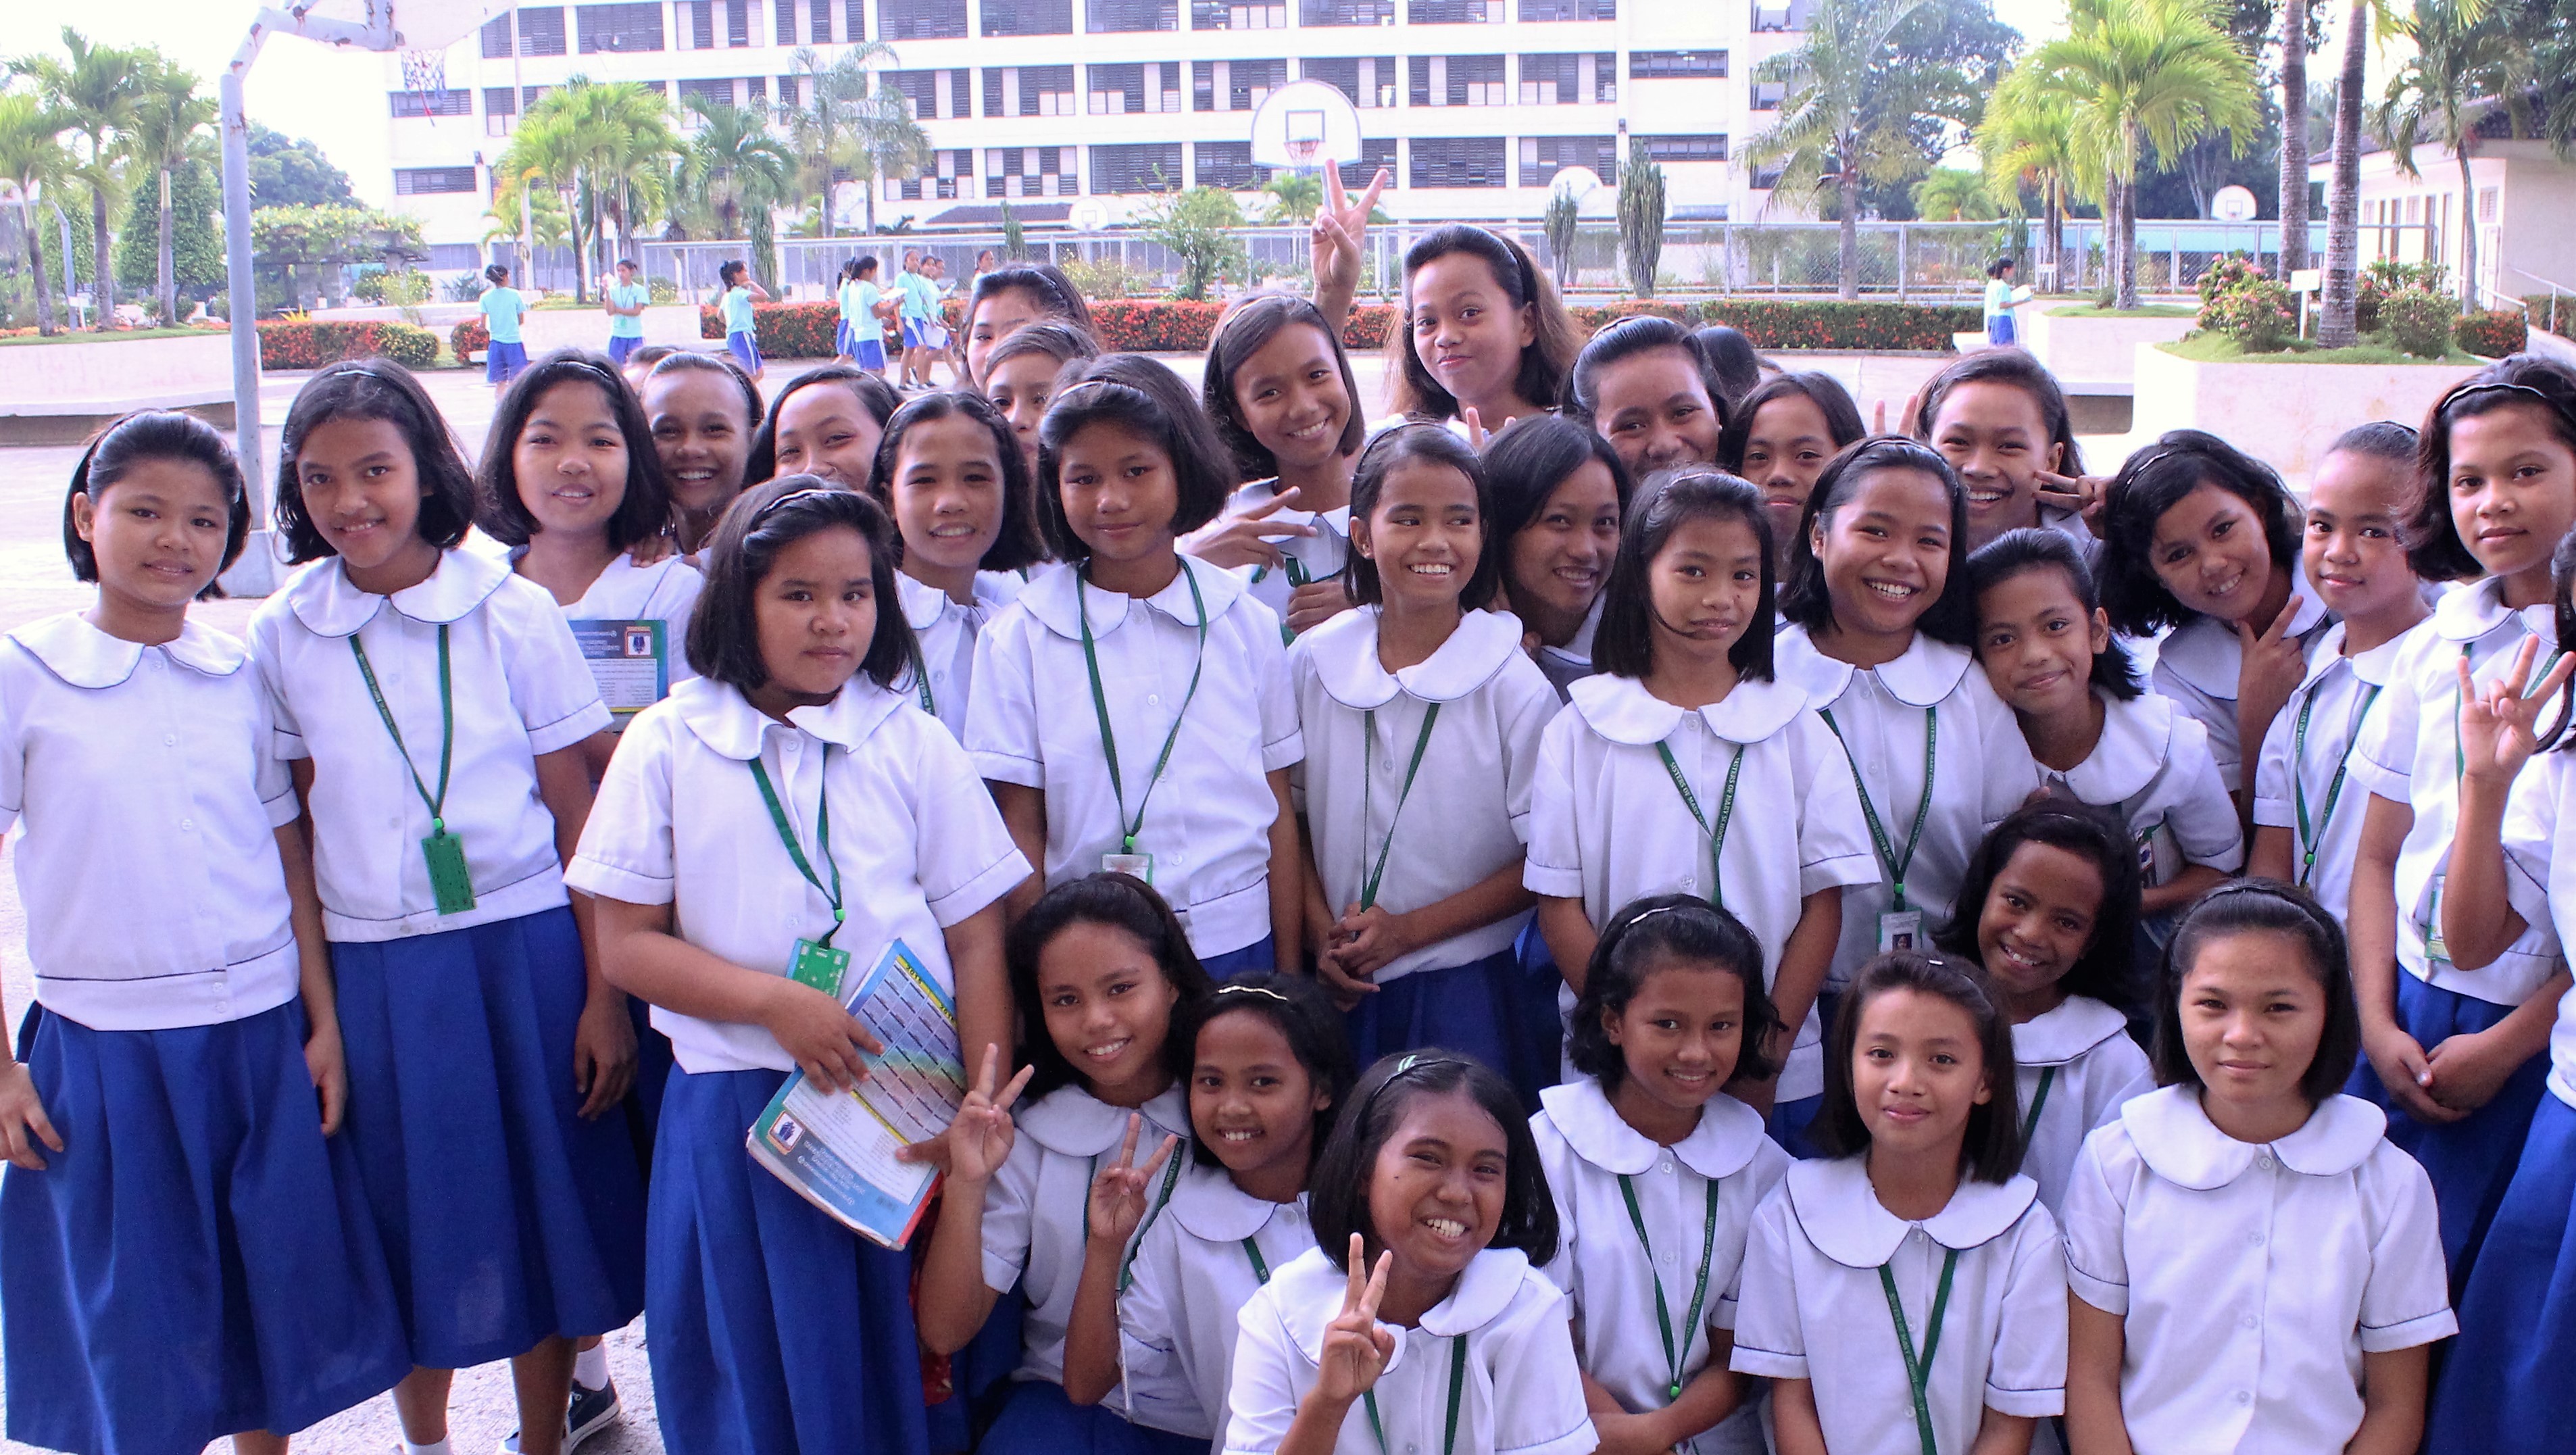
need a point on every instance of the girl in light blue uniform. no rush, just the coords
(502, 307)
(741, 338)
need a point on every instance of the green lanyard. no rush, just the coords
(1725, 811)
(1368, 782)
(822, 839)
(1918, 1375)
(921, 677)
(1128, 828)
(1260, 1268)
(2039, 1098)
(446, 728)
(1673, 1354)
(1923, 810)
(1457, 1388)
(2310, 840)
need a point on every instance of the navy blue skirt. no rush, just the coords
(1040, 1420)
(1492, 1009)
(504, 361)
(507, 1219)
(2471, 1160)
(1253, 959)
(197, 1260)
(775, 1330)
(746, 351)
(2505, 1385)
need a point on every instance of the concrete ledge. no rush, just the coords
(74, 425)
(2283, 414)
(2102, 352)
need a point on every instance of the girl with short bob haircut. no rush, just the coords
(379, 389)
(852, 461)
(1627, 642)
(1008, 299)
(644, 507)
(1807, 597)
(724, 643)
(1559, 492)
(1780, 436)
(1140, 395)
(1519, 364)
(1990, 1148)
(1644, 385)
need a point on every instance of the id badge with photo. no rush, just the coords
(1901, 929)
(1140, 865)
(819, 966)
(448, 882)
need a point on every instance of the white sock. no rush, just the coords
(590, 1367)
(434, 1447)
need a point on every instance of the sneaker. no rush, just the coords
(593, 1410)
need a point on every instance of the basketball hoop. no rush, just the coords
(1304, 138)
(424, 73)
(1303, 125)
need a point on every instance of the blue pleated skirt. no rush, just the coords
(1039, 1420)
(775, 1330)
(197, 1260)
(746, 351)
(2471, 1160)
(1253, 959)
(507, 1219)
(504, 361)
(1491, 1009)
(2506, 1384)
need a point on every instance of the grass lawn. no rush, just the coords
(2151, 310)
(2213, 348)
(112, 336)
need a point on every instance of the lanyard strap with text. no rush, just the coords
(1725, 811)
(2309, 839)
(1457, 1387)
(1260, 1266)
(822, 839)
(1674, 1352)
(1128, 828)
(1918, 1373)
(446, 728)
(1368, 741)
(2039, 1098)
(1869, 810)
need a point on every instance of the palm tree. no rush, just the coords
(170, 121)
(825, 129)
(545, 152)
(1294, 196)
(1825, 136)
(32, 156)
(742, 172)
(2460, 71)
(2336, 328)
(2141, 75)
(95, 95)
(1952, 195)
(604, 149)
(2294, 135)
(892, 146)
(2029, 137)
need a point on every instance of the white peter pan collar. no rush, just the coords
(726, 721)
(2137, 737)
(1922, 675)
(322, 598)
(1622, 710)
(924, 604)
(1578, 648)
(1261, 492)
(1344, 650)
(1841, 1214)
(86, 657)
(2376, 667)
(2176, 1138)
(2056, 1037)
(1050, 598)
(1491, 1280)
(1724, 1143)
(2470, 612)
(2210, 658)
(1072, 1121)
(1209, 1206)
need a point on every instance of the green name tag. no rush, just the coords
(445, 854)
(819, 966)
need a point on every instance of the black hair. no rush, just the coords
(1525, 463)
(1337, 1196)
(730, 270)
(1544, 363)
(1624, 644)
(1121, 901)
(628, 263)
(498, 273)
(2562, 580)
(876, 396)
(1432, 444)
(377, 389)
(1627, 338)
(848, 270)
(1297, 1007)
(646, 507)
(2019, 369)
(765, 519)
(1247, 329)
(1805, 599)
(1143, 396)
(1648, 935)
(1842, 416)
(863, 265)
(1999, 266)
(2433, 544)
(678, 361)
(1062, 342)
(1731, 361)
(1992, 1149)
(2106, 970)
(2384, 440)
(1043, 281)
(138, 439)
(646, 357)
(1016, 544)
(2262, 906)
(2155, 480)
(2031, 548)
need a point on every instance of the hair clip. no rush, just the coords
(791, 498)
(2499, 387)
(1252, 990)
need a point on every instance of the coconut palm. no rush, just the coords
(2294, 135)
(603, 149)
(2461, 70)
(1294, 196)
(1953, 195)
(32, 156)
(827, 130)
(545, 153)
(742, 172)
(1828, 136)
(170, 126)
(95, 94)
(2028, 136)
(2141, 76)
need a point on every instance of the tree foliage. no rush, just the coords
(196, 234)
(1641, 218)
(292, 172)
(1846, 116)
(1202, 228)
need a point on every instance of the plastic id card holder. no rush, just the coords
(1140, 865)
(453, 888)
(2435, 947)
(819, 966)
(1901, 929)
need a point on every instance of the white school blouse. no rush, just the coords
(679, 820)
(945, 633)
(2340, 697)
(666, 591)
(1612, 1278)
(1194, 1271)
(2410, 753)
(1607, 826)
(149, 792)
(1468, 814)
(1522, 1394)
(2152, 766)
(2198, 662)
(2251, 1279)
(2540, 878)
(1982, 770)
(2083, 1052)
(1033, 722)
(1566, 665)
(1035, 1228)
(1813, 1306)
(521, 691)
(1318, 557)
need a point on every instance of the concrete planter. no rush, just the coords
(2283, 414)
(587, 328)
(58, 393)
(2096, 355)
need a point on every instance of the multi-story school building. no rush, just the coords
(1075, 110)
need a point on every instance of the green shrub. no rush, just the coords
(2383, 276)
(2419, 321)
(1808, 323)
(404, 290)
(468, 338)
(293, 345)
(2560, 319)
(2226, 275)
(2492, 334)
(2258, 314)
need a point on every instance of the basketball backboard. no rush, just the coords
(421, 25)
(1305, 124)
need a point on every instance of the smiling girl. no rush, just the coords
(703, 410)
(2000, 419)
(1559, 491)
(1019, 377)
(1781, 438)
(1484, 330)
(1007, 300)
(1650, 392)
(832, 431)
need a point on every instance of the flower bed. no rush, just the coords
(1841, 327)
(284, 344)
